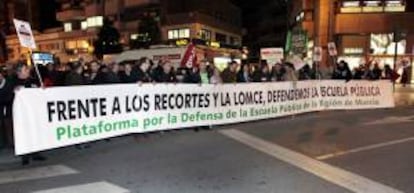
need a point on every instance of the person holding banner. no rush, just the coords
(142, 70)
(112, 77)
(342, 72)
(192, 76)
(306, 73)
(75, 77)
(167, 74)
(156, 70)
(229, 75)
(128, 75)
(24, 80)
(278, 72)
(262, 74)
(390, 74)
(215, 77)
(359, 72)
(244, 74)
(290, 73)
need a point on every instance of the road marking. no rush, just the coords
(327, 172)
(365, 148)
(35, 173)
(97, 187)
(391, 120)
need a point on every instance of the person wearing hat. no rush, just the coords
(24, 80)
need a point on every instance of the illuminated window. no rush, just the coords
(67, 27)
(205, 34)
(84, 25)
(372, 3)
(70, 45)
(372, 6)
(173, 34)
(394, 6)
(351, 7)
(350, 4)
(96, 21)
(178, 33)
(353, 51)
(134, 36)
(354, 6)
(184, 33)
(83, 44)
(382, 44)
(80, 45)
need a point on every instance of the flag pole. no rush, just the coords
(36, 68)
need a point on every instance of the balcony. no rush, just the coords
(195, 17)
(93, 10)
(365, 23)
(135, 3)
(70, 14)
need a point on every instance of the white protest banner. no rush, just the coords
(332, 49)
(317, 54)
(272, 55)
(24, 32)
(62, 116)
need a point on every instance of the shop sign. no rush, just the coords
(181, 42)
(213, 44)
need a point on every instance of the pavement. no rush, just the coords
(404, 96)
(324, 152)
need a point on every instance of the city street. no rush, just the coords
(206, 96)
(341, 151)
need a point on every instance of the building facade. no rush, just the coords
(264, 24)
(215, 25)
(363, 30)
(27, 10)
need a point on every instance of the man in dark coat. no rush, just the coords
(97, 73)
(229, 75)
(75, 77)
(112, 77)
(23, 80)
(6, 100)
(342, 72)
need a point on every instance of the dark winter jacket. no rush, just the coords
(74, 79)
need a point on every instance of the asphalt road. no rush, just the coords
(326, 152)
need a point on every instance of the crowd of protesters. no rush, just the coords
(146, 71)
(370, 72)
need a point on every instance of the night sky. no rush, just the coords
(47, 13)
(263, 20)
